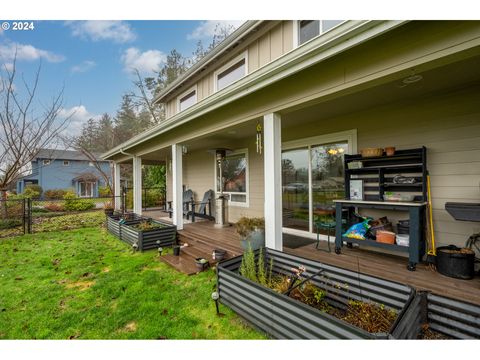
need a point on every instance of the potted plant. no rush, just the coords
(252, 232)
(108, 208)
(201, 263)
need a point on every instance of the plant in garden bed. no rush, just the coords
(147, 225)
(369, 316)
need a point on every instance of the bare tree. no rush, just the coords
(24, 130)
(97, 165)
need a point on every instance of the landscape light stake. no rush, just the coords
(215, 297)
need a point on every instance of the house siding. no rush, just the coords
(447, 126)
(271, 45)
(58, 176)
(446, 123)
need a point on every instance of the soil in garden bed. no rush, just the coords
(368, 316)
(429, 334)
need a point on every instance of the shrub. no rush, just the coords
(73, 203)
(54, 194)
(55, 207)
(34, 190)
(154, 197)
(104, 191)
(9, 223)
(31, 193)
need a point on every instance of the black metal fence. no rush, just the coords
(152, 198)
(24, 216)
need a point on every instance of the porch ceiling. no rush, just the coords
(439, 80)
(443, 79)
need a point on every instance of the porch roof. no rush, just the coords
(344, 37)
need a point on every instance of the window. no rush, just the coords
(233, 71)
(187, 99)
(66, 163)
(308, 29)
(86, 188)
(235, 177)
(46, 162)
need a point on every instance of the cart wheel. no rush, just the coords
(411, 267)
(349, 245)
(338, 250)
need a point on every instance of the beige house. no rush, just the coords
(315, 90)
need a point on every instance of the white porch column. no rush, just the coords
(137, 185)
(272, 158)
(117, 190)
(177, 188)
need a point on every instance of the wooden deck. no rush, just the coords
(203, 237)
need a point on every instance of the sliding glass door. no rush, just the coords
(295, 179)
(312, 177)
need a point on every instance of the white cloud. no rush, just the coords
(96, 30)
(27, 53)
(206, 29)
(8, 66)
(145, 62)
(78, 115)
(84, 66)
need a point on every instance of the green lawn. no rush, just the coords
(86, 284)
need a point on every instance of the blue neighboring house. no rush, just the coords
(65, 169)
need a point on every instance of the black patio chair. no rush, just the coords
(187, 203)
(204, 205)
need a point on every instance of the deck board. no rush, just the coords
(390, 267)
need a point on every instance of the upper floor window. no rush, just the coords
(187, 99)
(308, 29)
(233, 71)
(66, 163)
(46, 162)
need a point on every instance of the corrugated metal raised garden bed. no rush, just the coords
(283, 317)
(433, 316)
(142, 232)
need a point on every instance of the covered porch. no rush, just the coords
(405, 98)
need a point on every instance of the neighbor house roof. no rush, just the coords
(54, 154)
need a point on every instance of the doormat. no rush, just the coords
(294, 241)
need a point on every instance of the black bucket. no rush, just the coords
(455, 264)
(176, 250)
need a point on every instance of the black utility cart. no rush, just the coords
(416, 247)
(403, 173)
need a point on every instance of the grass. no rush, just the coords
(86, 284)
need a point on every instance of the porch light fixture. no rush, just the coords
(413, 78)
(184, 150)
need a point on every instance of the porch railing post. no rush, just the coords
(272, 158)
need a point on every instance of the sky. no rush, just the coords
(93, 60)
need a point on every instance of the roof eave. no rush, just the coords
(246, 85)
(237, 35)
